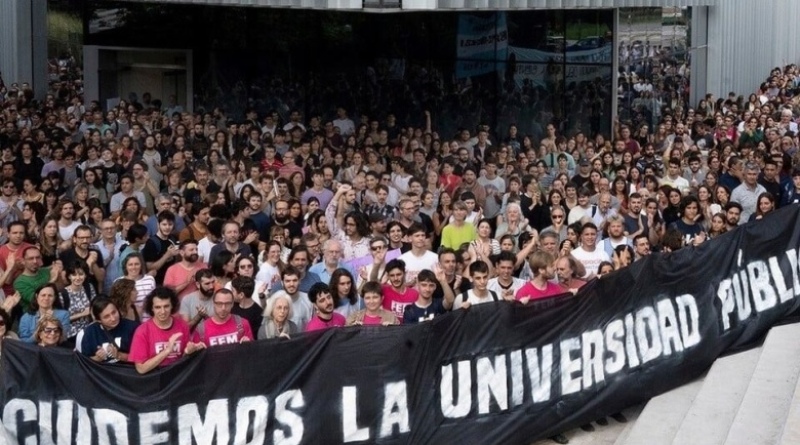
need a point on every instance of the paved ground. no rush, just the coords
(602, 435)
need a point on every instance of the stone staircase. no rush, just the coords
(749, 398)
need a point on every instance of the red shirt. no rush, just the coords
(529, 290)
(317, 324)
(149, 340)
(227, 333)
(397, 302)
(274, 167)
(450, 182)
(5, 251)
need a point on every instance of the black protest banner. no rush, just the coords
(494, 374)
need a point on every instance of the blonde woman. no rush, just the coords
(49, 332)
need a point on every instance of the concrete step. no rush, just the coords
(711, 415)
(762, 415)
(663, 415)
(791, 430)
(602, 435)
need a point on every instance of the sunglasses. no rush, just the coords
(377, 248)
(51, 330)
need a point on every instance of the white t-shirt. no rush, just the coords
(415, 264)
(204, 249)
(516, 284)
(469, 296)
(67, 232)
(590, 260)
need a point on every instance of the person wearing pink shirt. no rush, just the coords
(540, 286)
(223, 328)
(396, 294)
(163, 339)
(180, 276)
(324, 315)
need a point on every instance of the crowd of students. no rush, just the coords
(144, 232)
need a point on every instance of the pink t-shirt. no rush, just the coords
(369, 320)
(528, 290)
(223, 334)
(177, 275)
(397, 302)
(318, 324)
(149, 340)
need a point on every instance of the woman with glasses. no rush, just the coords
(49, 332)
(245, 266)
(44, 304)
(558, 223)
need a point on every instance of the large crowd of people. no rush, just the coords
(146, 232)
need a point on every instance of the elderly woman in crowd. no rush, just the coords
(277, 318)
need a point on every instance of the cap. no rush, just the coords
(584, 162)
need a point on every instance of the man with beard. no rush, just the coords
(281, 218)
(567, 269)
(540, 286)
(196, 306)
(396, 294)
(223, 327)
(299, 258)
(733, 213)
(325, 317)
(34, 275)
(230, 241)
(302, 308)
(11, 255)
(67, 222)
(641, 247)
(180, 276)
(470, 184)
(616, 235)
(85, 254)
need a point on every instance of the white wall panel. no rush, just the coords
(746, 39)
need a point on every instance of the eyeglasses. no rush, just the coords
(558, 216)
(51, 330)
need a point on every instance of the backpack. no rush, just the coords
(465, 296)
(64, 295)
(200, 329)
